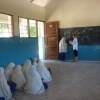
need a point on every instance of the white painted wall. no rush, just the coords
(21, 8)
(74, 13)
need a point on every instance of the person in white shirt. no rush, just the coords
(75, 46)
(62, 48)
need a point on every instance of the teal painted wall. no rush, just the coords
(17, 50)
(85, 53)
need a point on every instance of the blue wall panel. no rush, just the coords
(86, 53)
(17, 50)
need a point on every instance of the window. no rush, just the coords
(6, 25)
(27, 27)
(32, 25)
(23, 24)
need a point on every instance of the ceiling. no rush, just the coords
(42, 3)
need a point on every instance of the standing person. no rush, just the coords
(62, 48)
(75, 46)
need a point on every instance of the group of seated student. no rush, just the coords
(31, 78)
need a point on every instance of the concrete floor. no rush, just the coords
(71, 81)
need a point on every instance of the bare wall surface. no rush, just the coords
(74, 13)
(17, 50)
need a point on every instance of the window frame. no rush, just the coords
(29, 26)
(12, 24)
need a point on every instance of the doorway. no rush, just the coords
(51, 40)
(41, 40)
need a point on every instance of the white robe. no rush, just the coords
(9, 70)
(26, 67)
(34, 83)
(43, 72)
(4, 87)
(18, 77)
(62, 45)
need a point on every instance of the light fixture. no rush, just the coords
(30, 0)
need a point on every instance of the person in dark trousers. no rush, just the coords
(62, 48)
(75, 46)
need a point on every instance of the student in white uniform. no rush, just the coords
(75, 46)
(43, 72)
(34, 83)
(18, 77)
(62, 48)
(5, 91)
(26, 67)
(9, 70)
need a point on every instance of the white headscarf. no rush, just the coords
(4, 87)
(9, 70)
(34, 62)
(18, 77)
(34, 83)
(62, 45)
(43, 72)
(26, 68)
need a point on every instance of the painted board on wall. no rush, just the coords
(86, 35)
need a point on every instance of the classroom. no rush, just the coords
(34, 28)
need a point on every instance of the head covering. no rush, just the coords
(35, 64)
(43, 72)
(4, 87)
(9, 70)
(26, 68)
(18, 77)
(34, 61)
(63, 45)
(34, 83)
